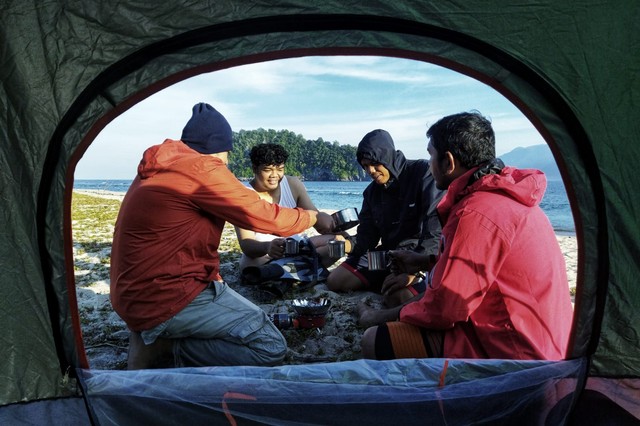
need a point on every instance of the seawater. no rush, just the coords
(340, 195)
(115, 185)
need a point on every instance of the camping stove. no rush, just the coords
(310, 321)
(310, 313)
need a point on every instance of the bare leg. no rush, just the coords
(325, 260)
(340, 279)
(368, 343)
(397, 298)
(368, 316)
(157, 354)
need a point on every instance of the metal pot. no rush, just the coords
(336, 249)
(345, 219)
(291, 246)
(378, 260)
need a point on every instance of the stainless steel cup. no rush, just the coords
(377, 260)
(336, 249)
(345, 219)
(291, 246)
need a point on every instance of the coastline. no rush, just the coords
(106, 337)
(567, 240)
(110, 195)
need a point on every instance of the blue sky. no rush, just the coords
(333, 98)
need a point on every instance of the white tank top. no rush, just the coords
(286, 196)
(286, 200)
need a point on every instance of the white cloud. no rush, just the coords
(335, 98)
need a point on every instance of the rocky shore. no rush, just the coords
(105, 335)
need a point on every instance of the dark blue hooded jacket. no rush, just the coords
(399, 210)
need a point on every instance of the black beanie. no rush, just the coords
(207, 131)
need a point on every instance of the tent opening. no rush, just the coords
(330, 100)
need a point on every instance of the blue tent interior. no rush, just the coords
(68, 68)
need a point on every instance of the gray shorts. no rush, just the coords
(220, 327)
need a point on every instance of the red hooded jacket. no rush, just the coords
(499, 288)
(166, 239)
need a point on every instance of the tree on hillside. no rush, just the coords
(317, 160)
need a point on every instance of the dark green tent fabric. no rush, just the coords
(70, 67)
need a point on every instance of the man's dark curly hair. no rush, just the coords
(267, 154)
(468, 136)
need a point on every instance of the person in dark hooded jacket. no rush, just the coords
(398, 211)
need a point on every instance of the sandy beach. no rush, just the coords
(105, 335)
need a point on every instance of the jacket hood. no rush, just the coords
(159, 157)
(377, 146)
(526, 186)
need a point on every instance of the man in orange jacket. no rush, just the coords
(165, 266)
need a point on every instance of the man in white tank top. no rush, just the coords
(270, 182)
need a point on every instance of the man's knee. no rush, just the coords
(397, 298)
(274, 357)
(333, 281)
(269, 347)
(340, 279)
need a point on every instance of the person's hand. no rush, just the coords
(324, 223)
(276, 248)
(408, 261)
(396, 282)
(369, 316)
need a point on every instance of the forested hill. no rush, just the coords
(316, 160)
(320, 160)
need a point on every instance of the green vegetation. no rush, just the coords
(313, 160)
(93, 220)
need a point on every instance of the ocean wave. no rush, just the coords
(339, 195)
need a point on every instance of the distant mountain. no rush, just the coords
(533, 157)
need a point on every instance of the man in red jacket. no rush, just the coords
(498, 288)
(165, 266)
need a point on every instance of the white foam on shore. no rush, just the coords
(111, 195)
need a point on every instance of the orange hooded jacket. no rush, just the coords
(166, 238)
